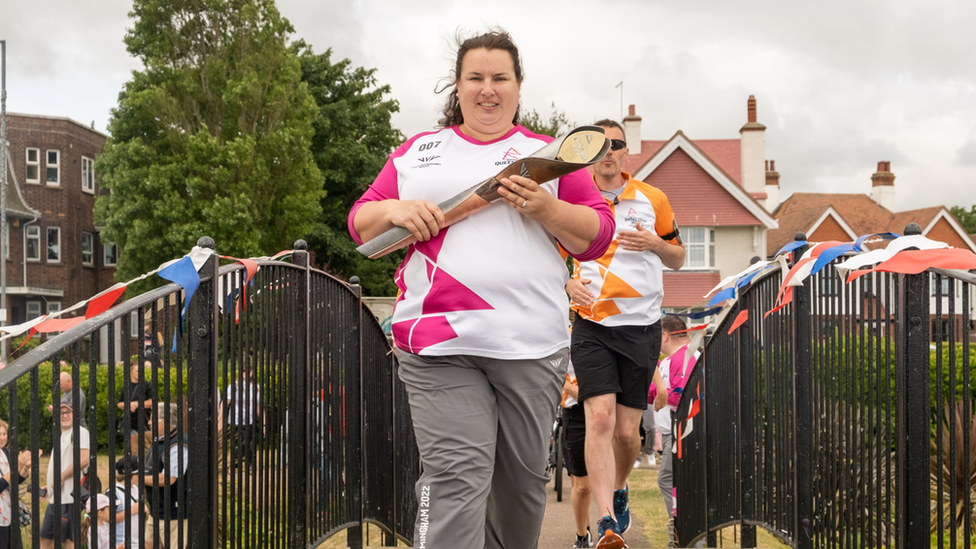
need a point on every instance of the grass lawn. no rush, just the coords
(646, 502)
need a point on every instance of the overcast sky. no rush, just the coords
(841, 84)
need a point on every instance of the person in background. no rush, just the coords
(167, 464)
(127, 502)
(135, 401)
(574, 442)
(22, 466)
(674, 370)
(617, 332)
(102, 514)
(75, 399)
(64, 481)
(482, 352)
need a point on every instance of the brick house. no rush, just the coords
(55, 257)
(845, 216)
(718, 190)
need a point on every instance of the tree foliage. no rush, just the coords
(557, 124)
(353, 139)
(211, 138)
(966, 218)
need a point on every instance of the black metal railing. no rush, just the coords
(283, 394)
(843, 420)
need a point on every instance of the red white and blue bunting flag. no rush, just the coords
(884, 254)
(741, 319)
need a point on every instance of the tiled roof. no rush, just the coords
(862, 214)
(687, 288)
(725, 153)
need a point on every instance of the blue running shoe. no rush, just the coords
(621, 508)
(608, 536)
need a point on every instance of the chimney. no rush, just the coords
(753, 153)
(772, 186)
(883, 186)
(632, 130)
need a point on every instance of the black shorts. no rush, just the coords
(574, 440)
(615, 360)
(47, 527)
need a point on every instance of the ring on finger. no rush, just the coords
(525, 202)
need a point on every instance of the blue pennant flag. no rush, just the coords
(829, 255)
(745, 279)
(185, 274)
(791, 246)
(698, 315)
(883, 236)
(725, 294)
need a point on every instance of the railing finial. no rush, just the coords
(913, 229)
(354, 281)
(799, 237)
(300, 244)
(206, 242)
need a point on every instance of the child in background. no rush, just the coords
(127, 504)
(101, 522)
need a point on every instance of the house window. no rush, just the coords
(942, 286)
(33, 165)
(54, 244)
(53, 307)
(87, 249)
(111, 254)
(53, 167)
(33, 310)
(699, 247)
(87, 175)
(33, 243)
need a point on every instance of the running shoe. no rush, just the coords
(584, 541)
(621, 508)
(609, 537)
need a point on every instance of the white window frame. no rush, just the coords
(36, 165)
(87, 175)
(53, 307)
(90, 261)
(31, 315)
(106, 246)
(28, 237)
(707, 246)
(47, 242)
(944, 290)
(56, 165)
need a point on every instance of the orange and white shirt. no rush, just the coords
(628, 287)
(568, 401)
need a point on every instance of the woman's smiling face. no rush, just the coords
(488, 93)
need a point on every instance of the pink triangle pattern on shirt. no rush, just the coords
(430, 271)
(417, 334)
(446, 294)
(432, 248)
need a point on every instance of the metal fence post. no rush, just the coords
(298, 405)
(201, 471)
(747, 428)
(803, 408)
(912, 388)
(354, 479)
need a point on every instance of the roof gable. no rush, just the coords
(699, 190)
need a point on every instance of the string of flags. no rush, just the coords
(911, 254)
(184, 271)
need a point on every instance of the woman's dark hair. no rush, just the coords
(494, 39)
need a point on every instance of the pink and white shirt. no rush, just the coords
(492, 284)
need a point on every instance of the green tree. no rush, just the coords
(353, 139)
(211, 138)
(966, 219)
(557, 124)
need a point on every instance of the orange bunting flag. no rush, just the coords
(99, 304)
(917, 261)
(740, 320)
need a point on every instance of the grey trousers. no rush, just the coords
(483, 427)
(665, 478)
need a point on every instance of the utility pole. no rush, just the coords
(621, 86)
(3, 195)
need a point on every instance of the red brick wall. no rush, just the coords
(943, 232)
(64, 206)
(829, 229)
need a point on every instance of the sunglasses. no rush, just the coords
(617, 144)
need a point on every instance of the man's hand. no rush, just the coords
(660, 401)
(640, 240)
(133, 406)
(576, 288)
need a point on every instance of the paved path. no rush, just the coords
(559, 529)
